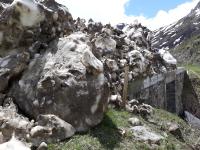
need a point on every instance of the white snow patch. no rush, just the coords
(171, 32)
(173, 35)
(178, 25)
(177, 40)
(196, 23)
(197, 12)
(157, 32)
(163, 43)
(154, 42)
(168, 27)
(166, 48)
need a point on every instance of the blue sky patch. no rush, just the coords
(149, 8)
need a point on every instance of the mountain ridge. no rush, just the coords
(190, 24)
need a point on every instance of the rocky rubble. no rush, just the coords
(145, 134)
(61, 72)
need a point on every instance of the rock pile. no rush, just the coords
(60, 72)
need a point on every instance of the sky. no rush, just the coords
(151, 13)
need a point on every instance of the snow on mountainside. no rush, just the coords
(173, 35)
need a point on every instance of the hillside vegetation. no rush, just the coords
(107, 135)
(188, 52)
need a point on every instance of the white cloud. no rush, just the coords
(113, 11)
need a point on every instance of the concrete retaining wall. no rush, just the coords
(166, 91)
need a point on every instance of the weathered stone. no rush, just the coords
(137, 63)
(174, 129)
(2, 97)
(50, 129)
(115, 100)
(145, 110)
(1, 138)
(94, 27)
(135, 121)
(14, 144)
(43, 146)
(191, 119)
(107, 44)
(40, 134)
(11, 122)
(11, 67)
(60, 83)
(92, 64)
(46, 19)
(142, 133)
(112, 64)
(60, 129)
(133, 102)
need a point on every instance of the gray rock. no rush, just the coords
(174, 129)
(115, 100)
(14, 144)
(60, 129)
(40, 134)
(64, 80)
(43, 146)
(142, 133)
(92, 64)
(107, 44)
(11, 122)
(145, 109)
(134, 121)
(50, 129)
(11, 67)
(133, 102)
(2, 97)
(191, 119)
(112, 64)
(1, 138)
(46, 19)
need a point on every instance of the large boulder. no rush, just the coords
(67, 81)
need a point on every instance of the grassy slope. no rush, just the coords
(188, 52)
(106, 136)
(194, 72)
(193, 69)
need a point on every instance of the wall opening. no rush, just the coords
(171, 97)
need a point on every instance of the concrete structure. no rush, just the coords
(171, 91)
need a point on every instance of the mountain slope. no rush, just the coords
(181, 38)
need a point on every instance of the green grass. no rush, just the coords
(194, 73)
(188, 52)
(193, 68)
(106, 136)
